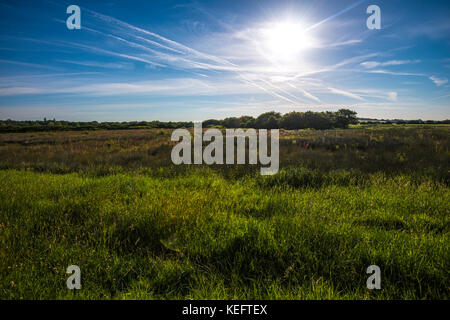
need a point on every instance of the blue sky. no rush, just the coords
(194, 60)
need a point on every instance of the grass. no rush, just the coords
(144, 229)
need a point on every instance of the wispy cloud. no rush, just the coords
(177, 55)
(172, 87)
(392, 96)
(306, 93)
(96, 64)
(19, 91)
(377, 94)
(394, 73)
(155, 50)
(27, 64)
(343, 43)
(438, 81)
(345, 93)
(354, 5)
(374, 64)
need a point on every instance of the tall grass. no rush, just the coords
(139, 227)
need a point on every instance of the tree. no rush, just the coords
(272, 123)
(231, 122)
(293, 120)
(211, 123)
(247, 122)
(264, 121)
(345, 117)
(317, 120)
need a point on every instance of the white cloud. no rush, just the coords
(28, 65)
(370, 64)
(345, 93)
(392, 96)
(97, 64)
(344, 43)
(374, 64)
(172, 87)
(309, 95)
(18, 91)
(438, 81)
(381, 71)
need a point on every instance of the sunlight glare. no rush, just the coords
(286, 40)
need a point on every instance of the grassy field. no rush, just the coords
(140, 227)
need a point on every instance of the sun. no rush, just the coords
(285, 40)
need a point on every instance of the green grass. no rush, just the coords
(303, 234)
(140, 227)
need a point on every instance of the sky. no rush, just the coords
(196, 60)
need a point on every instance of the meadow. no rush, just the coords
(139, 227)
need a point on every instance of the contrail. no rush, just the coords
(175, 47)
(218, 63)
(155, 35)
(336, 14)
(222, 64)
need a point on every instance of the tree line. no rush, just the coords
(292, 120)
(268, 120)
